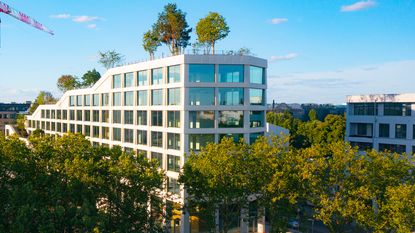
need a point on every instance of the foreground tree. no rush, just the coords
(90, 78)
(44, 97)
(67, 82)
(110, 58)
(151, 42)
(211, 29)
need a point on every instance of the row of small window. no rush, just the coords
(197, 119)
(366, 130)
(197, 73)
(8, 116)
(394, 148)
(389, 109)
(197, 96)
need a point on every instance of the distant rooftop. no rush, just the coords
(377, 98)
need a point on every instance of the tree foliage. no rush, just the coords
(67, 82)
(44, 97)
(110, 58)
(211, 29)
(150, 42)
(90, 78)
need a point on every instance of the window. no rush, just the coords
(201, 119)
(157, 139)
(87, 130)
(142, 98)
(105, 99)
(173, 141)
(198, 141)
(72, 128)
(95, 131)
(157, 118)
(142, 78)
(87, 115)
(256, 75)
(400, 131)
(105, 133)
(116, 81)
(231, 119)
(48, 114)
(128, 79)
(64, 114)
(79, 100)
(105, 116)
(79, 115)
(173, 163)
(71, 101)
(231, 96)
(383, 130)
(142, 153)
(256, 96)
(201, 73)
(95, 115)
(129, 98)
(87, 100)
(142, 137)
(235, 136)
(128, 117)
(256, 119)
(72, 115)
(361, 130)
(47, 125)
(400, 149)
(173, 119)
(362, 146)
(397, 109)
(158, 157)
(254, 136)
(364, 109)
(413, 133)
(116, 99)
(129, 135)
(156, 76)
(157, 97)
(79, 128)
(59, 127)
(141, 117)
(116, 134)
(174, 96)
(174, 74)
(173, 186)
(202, 96)
(95, 99)
(52, 114)
(116, 116)
(58, 114)
(231, 73)
(53, 126)
(64, 127)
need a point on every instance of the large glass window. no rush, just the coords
(95, 100)
(201, 119)
(231, 96)
(142, 137)
(105, 114)
(129, 98)
(173, 141)
(79, 115)
(256, 75)
(174, 96)
(129, 79)
(141, 117)
(201, 73)
(400, 131)
(129, 135)
(173, 186)
(384, 130)
(142, 78)
(174, 74)
(173, 119)
(116, 134)
(231, 119)
(105, 133)
(116, 99)
(157, 97)
(173, 163)
(58, 114)
(72, 128)
(197, 141)
(361, 130)
(95, 131)
(156, 118)
(87, 130)
(256, 96)
(231, 73)
(392, 148)
(87, 100)
(156, 76)
(116, 81)
(116, 116)
(365, 109)
(158, 157)
(72, 115)
(142, 98)
(95, 115)
(79, 100)
(129, 117)
(79, 128)
(105, 98)
(202, 96)
(71, 101)
(397, 109)
(235, 136)
(156, 139)
(256, 119)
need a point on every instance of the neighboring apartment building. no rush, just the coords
(382, 122)
(9, 111)
(166, 108)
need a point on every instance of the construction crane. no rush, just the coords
(6, 9)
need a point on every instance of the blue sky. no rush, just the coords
(318, 51)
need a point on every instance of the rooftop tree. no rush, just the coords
(67, 82)
(90, 78)
(151, 42)
(211, 29)
(110, 58)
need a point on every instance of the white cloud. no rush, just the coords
(85, 18)
(61, 16)
(358, 6)
(92, 26)
(278, 20)
(288, 56)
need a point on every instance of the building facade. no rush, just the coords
(166, 108)
(382, 122)
(9, 111)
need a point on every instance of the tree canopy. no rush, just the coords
(211, 29)
(151, 42)
(110, 58)
(44, 97)
(67, 82)
(90, 78)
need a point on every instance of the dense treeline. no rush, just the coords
(64, 184)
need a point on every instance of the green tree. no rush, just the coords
(20, 125)
(211, 29)
(110, 58)
(44, 97)
(151, 42)
(172, 28)
(312, 115)
(67, 82)
(90, 78)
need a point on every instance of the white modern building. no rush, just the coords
(382, 122)
(166, 108)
